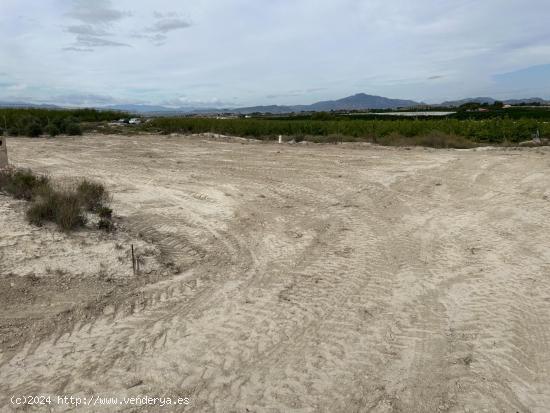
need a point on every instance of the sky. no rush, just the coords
(227, 53)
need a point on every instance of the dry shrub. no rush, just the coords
(21, 183)
(92, 195)
(60, 206)
(63, 206)
(434, 139)
(68, 214)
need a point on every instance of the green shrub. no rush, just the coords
(30, 126)
(73, 129)
(22, 183)
(33, 130)
(52, 130)
(13, 131)
(92, 195)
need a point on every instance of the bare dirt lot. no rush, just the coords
(303, 278)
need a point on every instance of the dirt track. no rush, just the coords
(314, 278)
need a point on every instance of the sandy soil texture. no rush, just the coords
(306, 278)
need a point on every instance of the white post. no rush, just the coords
(280, 138)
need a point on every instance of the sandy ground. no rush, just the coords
(287, 278)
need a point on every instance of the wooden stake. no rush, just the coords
(133, 260)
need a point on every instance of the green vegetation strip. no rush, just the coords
(35, 122)
(469, 127)
(393, 131)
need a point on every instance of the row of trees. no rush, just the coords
(33, 127)
(481, 131)
(35, 122)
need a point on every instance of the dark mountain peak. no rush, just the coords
(361, 101)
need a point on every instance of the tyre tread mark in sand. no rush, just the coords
(343, 319)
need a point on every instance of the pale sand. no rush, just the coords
(312, 278)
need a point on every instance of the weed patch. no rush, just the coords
(92, 195)
(21, 183)
(65, 207)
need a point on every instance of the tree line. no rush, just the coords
(477, 131)
(37, 121)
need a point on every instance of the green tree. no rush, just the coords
(52, 130)
(30, 126)
(73, 129)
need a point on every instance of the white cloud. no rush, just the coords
(286, 52)
(96, 12)
(93, 17)
(96, 41)
(87, 30)
(165, 25)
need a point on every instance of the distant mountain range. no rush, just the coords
(355, 102)
(359, 101)
(27, 105)
(490, 101)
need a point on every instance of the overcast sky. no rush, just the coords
(245, 52)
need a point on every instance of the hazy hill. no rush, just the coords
(490, 101)
(355, 102)
(358, 101)
(362, 101)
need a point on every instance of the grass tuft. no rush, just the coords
(21, 183)
(63, 207)
(93, 195)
